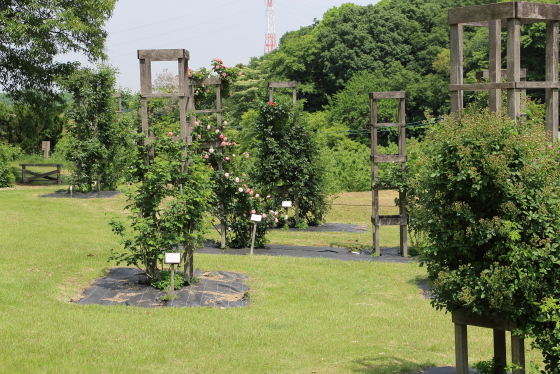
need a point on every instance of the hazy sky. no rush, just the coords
(233, 30)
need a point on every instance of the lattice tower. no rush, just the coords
(270, 36)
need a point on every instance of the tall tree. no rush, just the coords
(34, 32)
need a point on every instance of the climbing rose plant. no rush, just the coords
(486, 194)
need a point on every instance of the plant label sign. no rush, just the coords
(286, 204)
(172, 258)
(256, 217)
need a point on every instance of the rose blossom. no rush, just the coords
(240, 189)
(207, 127)
(224, 74)
(227, 158)
(253, 211)
(211, 150)
(226, 175)
(206, 156)
(225, 122)
(221, 136)
(217, 131)
(237, 181)
(263, 215)
(199, 136)
(257, 196)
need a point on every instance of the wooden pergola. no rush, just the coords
(511, 16)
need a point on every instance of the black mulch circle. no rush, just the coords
(82, 195)
(128, 286)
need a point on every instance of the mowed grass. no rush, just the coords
(306, 315)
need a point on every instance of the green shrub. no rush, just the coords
(7, 153)
(487, 197)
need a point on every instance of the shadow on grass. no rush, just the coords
(389, 365)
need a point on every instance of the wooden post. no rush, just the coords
(253, 237)
(456, 73)
(518, 353)
(513, 66)
(461, 349)
(495, 63)
(46, 147)
(551, 94)
(171, 290)
(500, 349)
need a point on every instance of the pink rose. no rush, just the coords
(207, 127)
(221, 136)
(227, 158)
(217, 66)
(237, 181)
(199, 136)
(207, 91)
(206, 156)
(253, 211)
(170, 133)
(225, 139)
(257, 196)
(217, 131)
(223, 144)
(225, 122)
(224, 75)
(251, 193)
(240, 74)
(211, 150)
(226, 175)
(196, 123)
(229, 228)
(240, 189)
(263, 215)
(276, 220)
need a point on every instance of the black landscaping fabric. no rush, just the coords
(335, 253)
(443, 370)
(82, 195)
(128, 286)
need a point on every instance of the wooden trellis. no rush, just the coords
(206, 82)
(287, 84)
(510, 15)
(183, 95)
(495, 16)
(382, 220)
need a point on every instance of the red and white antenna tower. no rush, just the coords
(270, 36)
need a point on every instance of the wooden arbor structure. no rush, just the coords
(376, 219)
(183, 95)
(287, 84)
(510, 15)
(214, 81)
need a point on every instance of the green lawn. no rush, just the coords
(306, 315)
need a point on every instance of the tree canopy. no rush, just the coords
(34, 32)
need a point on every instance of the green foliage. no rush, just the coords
(98, 142)
(486, 367)
(35, 32)
(7, 153)
(164, 281)
(32, 117)
(167, 205)
(287, 159)
(486, 193)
